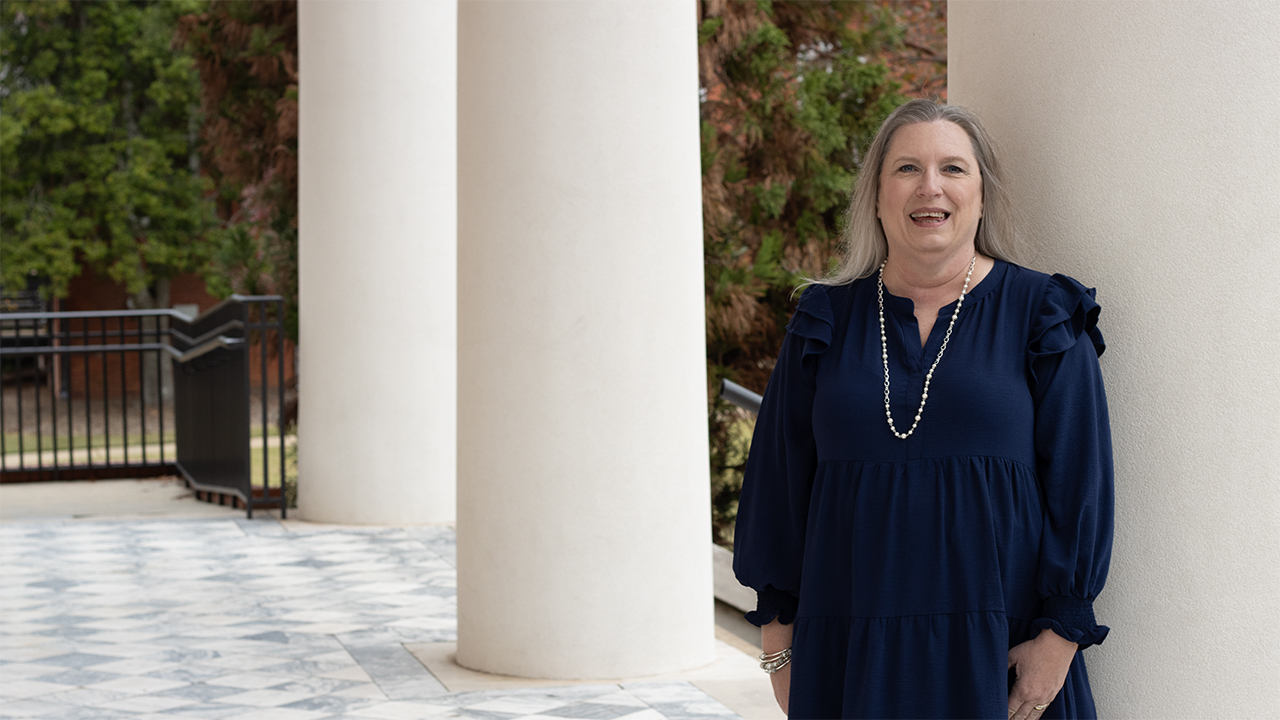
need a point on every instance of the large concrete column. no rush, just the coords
(377, 261)
(1144, 144)
(583, 496)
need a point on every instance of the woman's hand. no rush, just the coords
(775, 637)
(1041, 666)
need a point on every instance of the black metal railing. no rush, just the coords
(740, 396)
(142, 393)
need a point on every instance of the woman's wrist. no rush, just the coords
(773, 662)
(775, 640)
(1049, 637)
(775, 637)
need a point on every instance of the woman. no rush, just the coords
(927, 509)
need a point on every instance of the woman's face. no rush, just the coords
(930, 197)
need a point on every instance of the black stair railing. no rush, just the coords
(85, 397)
(740, 396)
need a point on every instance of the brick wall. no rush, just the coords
(92, 291)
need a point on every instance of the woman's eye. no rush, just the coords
(954, 169)
(907, 168)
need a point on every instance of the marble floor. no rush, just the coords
(256, 620)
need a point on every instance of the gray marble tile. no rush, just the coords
(66, 632)
(188, 673)
(91, 713)
(54, 584)
(592, 711)
(218, 593)
(232, 577)
(65, 619)
(77, 660)
(184, 653)
(200, 691)
(396, 671)
(274, 636)
(307, 668)
(78, 677)
(32, 708)
(678, 700)
(313, 563)
(315, 685)
(484, 714)
(209, 711)
(330, 704)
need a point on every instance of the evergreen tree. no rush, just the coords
(246, 52)
(99, 118)
(791, 94)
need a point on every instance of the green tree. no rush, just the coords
(246, 53)
(99, 118)
(791, 94)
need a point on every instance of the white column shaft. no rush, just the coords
(1142, 141)
(377, 261)
(583, 506)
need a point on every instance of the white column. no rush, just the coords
(583, 490)
(377, 261)
(1142, 139)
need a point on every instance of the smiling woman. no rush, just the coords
(949, 570)
(930, 188)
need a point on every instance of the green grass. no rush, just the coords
(115, 440)
(273, 471)
(255, 429)
(273, 466)
(79, 442)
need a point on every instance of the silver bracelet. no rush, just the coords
(773, 662)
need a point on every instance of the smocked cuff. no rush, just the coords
(1072, 618)
(773, 603)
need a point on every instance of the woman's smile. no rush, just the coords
(929, 217)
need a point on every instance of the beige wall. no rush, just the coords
(377, 261)
(1144, 144)
(583, 509)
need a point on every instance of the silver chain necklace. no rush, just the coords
(884, 350)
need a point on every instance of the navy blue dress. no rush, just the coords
(910, 567)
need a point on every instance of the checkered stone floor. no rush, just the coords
(212, 619)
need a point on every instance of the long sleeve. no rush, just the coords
(1073, 460)
(773, 507)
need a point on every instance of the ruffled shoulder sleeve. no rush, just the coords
(813, 320)
(1068, 314)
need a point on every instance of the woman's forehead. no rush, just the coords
(936, 138)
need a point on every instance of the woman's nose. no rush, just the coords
(929, 184)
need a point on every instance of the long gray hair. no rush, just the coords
(863, 244)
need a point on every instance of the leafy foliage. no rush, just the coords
(918, 61)
(791, 93)
(246, 53)
(98, 162)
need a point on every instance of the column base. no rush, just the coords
(734, 678)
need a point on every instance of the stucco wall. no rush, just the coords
(1144, 144)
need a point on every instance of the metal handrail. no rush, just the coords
(740, 396)
(182, 357)
(224, 327)
(159, 312)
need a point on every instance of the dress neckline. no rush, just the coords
(905, 305)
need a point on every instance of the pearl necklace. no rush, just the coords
(884, 351)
